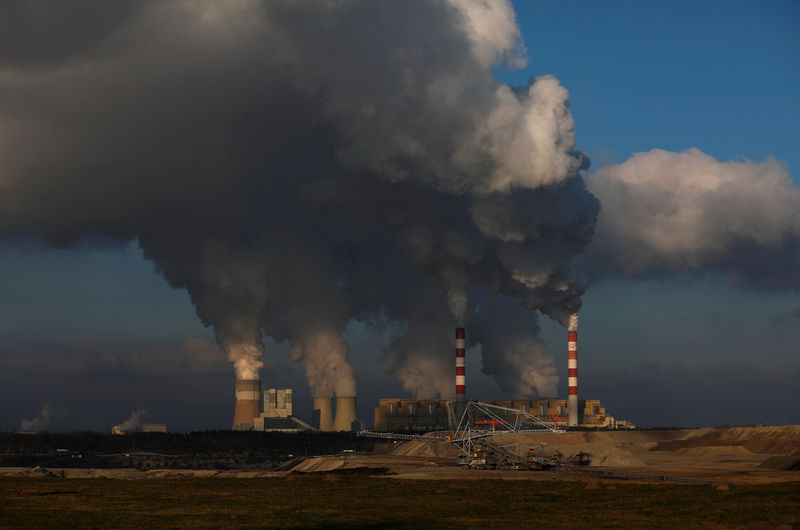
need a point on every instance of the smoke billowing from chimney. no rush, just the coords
(294, 165)
(134, 422)
(279, 156)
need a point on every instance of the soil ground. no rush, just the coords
(753, 475)
(331, 501)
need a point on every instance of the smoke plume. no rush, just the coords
(512, 351)
(262, 153)
(134, 422)
(47, 414)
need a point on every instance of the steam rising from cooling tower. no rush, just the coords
(308, 163)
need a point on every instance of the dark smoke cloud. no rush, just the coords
(511, 349)
(295, 165)
(40, 34)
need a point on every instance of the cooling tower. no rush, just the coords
(461, 375)
(248, 403)
(325, 408)
(572, 349)
(345, 413)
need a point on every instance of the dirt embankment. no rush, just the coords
(755, 440)
(426, 449)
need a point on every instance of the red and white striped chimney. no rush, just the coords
(461, 375)
(572, 348)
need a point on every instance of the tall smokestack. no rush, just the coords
(248, 403)
(461, 375)
(345, 413)
(572, 348)
(324, 407)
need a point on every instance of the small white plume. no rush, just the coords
(40, 423)
(133, 423)
(573, 322)
(245, 359)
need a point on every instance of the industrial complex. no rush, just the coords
(273, 410)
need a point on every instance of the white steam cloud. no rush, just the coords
(665, 211)
(298, 164)
(134, 422)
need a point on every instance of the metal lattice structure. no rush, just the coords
(475, 430)
(481, 422)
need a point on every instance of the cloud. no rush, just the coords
(687, 211)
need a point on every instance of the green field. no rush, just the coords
(332, 501)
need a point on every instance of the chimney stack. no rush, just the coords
(572, 349)
(248, 403)
(345, 413)
(461, 400)
(324, 407)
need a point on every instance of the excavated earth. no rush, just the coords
(728, 455)
(737, 455)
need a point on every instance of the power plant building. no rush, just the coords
(278, 411)
(431, 414)
(154, 427)
(346, 418)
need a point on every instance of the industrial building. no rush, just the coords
(277, 415)
(345, 418)
(278, 412)
(431, 414)
(154, 427)
(339, 414)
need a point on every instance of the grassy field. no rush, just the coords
(332, 501)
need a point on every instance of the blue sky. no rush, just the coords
(719, 76)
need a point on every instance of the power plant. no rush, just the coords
(340, 413)
(441, 414)
(277, 413)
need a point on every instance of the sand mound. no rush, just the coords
(426, 449)
(602, 454)
(782, 463)
(714, 450)
(313, 465)
(617, 459)
(758, 440)
(614, 438)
